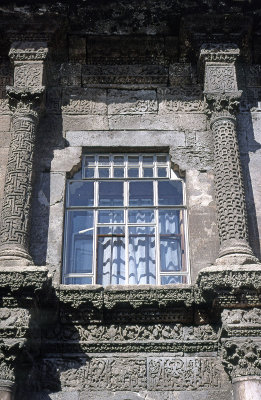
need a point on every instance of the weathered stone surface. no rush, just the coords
(84, 101)
(126, 138)
(89, 122)
(132, 102)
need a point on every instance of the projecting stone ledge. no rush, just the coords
(231, 285)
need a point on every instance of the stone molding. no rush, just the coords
(28, 51)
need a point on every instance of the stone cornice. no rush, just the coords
(219, 52)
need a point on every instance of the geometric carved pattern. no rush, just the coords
(228, 181)
(18, 181)
(220, 78)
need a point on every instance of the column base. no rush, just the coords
(15, 256)
(6, 389)
(247, 388)
(235, 252)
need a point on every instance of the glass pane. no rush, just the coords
(162, 159)
(89, 172)
(89, 160)
(148, 172)
(170, 221)
(111, 256)
(118, 172)
(171, 252)
(142, 264)
(133, 172)
(78, 280)
(110, 216)
(111, 193)
(141, 193)
(170, 192)
(118, 160)
(104, 173)
(147, 159)
(141, 216)
(79, 241)
(172, 279)
(162, 172)
(104, 160)
(133, 159)
(80, 194)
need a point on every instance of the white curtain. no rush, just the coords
(142, 265)
(170, 246)
(111, 260)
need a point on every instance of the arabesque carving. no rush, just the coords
(242, 358)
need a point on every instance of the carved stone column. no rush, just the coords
(222, 96)
(241, 355)
(25, 100)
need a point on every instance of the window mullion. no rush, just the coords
(157, 238)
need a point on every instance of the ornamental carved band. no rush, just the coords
(18, 185)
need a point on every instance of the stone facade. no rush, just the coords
(178, 77)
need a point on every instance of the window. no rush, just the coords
(125, 222)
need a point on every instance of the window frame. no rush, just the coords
(171, 175)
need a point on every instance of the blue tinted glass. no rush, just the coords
(79, 242)
(118, 172)
(169, 221)
(78, 280)
(89, 172)
(141, 216)
(110, 256)
(141, 193)
(168, 280)
(104, 172)
(80, 194)
(142, 263)
(133, 172)
(170, 254)
(148, 172)
(110, 216)
(170, 193)
(162, 172)
(110, 193)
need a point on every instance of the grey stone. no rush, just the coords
(132, 102)
(88, 122)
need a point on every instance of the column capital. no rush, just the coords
(222, 105)
(242, 357)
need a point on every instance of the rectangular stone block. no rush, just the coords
(132, 102)
(179, 373)
(5, 139)
(158, 122)
(88, 122)
(181, 99)
(147, 75)
(136, 139)
(84, 101)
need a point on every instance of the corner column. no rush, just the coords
(25, 100)
(222, 97)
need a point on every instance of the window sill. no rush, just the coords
(135, 296)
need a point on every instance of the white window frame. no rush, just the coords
(171, 175)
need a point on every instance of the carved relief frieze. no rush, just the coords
(220, 78)
(28, 75)
(242, 322)
(181, 99)
(144, 75)
(242, 357)
(183, 373)
(134, 374)
(14, 322)
(84, 101)
(28, 51)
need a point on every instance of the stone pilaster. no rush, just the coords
(25, 99)
(222, 96)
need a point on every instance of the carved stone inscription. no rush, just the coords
(182, 373)
(167, 373)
